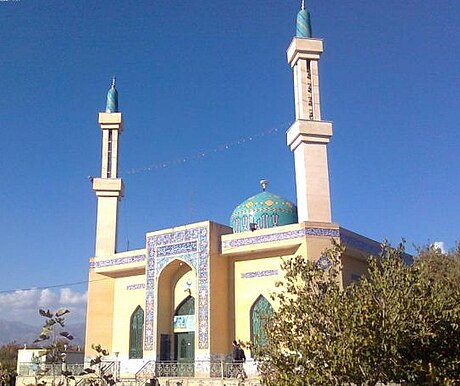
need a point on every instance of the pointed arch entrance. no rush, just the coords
(184, 330)
(177, 288)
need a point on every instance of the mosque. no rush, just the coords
(194, 288)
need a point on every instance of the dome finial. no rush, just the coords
(264, 184)
(112, 98)
(303, 28)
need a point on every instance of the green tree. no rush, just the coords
(54, 351)
(399, 323)
(9, 356)
(99, 374)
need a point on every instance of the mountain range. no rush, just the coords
(23, 333)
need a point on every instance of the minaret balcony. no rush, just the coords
(308, 131)
(304, 48)
(108, 187)
(111, 121)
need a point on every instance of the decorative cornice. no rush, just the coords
(116, 261)
(279, 236)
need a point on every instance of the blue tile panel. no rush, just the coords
(324, 262)
(117, 261)
(191, 246)
(177, 249)
(268, 272)
(131, 287)
(320, 232)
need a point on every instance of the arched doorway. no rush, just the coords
(184, 330)
(176, 282)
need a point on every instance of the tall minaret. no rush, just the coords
(108, 188)
(309, 135)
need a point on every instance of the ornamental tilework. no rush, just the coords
(131, 287)
(117, 261)
(176, 249)
(190, 245)
(324, 262)
(320, 232)
(268, 272)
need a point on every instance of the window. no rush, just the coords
(136, 332)
(187, 307)
(261, 311)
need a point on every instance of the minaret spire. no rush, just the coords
(303, 27)
(108, 187)
(112, 98)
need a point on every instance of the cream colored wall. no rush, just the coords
(182, 290)
(247, 290)
(125, 302)
(315, 246)
(249, 256)
(352, 266)
(106, 227)
(99, 314)
(221, 294)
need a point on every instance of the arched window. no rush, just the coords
(187, 307)
(136, 332)
(261, 311)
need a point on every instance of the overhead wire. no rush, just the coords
(160, 165)
(52, 286)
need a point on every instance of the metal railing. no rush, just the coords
(29, 369)
(169, 369)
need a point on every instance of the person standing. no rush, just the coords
(239, 358)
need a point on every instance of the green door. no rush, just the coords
(185, 346)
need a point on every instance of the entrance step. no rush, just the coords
(208, 382)
(165, 381)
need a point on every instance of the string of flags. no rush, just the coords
(203, 154)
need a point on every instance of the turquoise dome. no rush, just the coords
(265, 210)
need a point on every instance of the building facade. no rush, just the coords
(194, 288)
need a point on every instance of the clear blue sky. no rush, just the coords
(194, 75)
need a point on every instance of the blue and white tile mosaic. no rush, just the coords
(191, 246)
(177, 249)
(268, 272)
(117, 261)
(132, 287)
(324, 262)
(320, 232)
